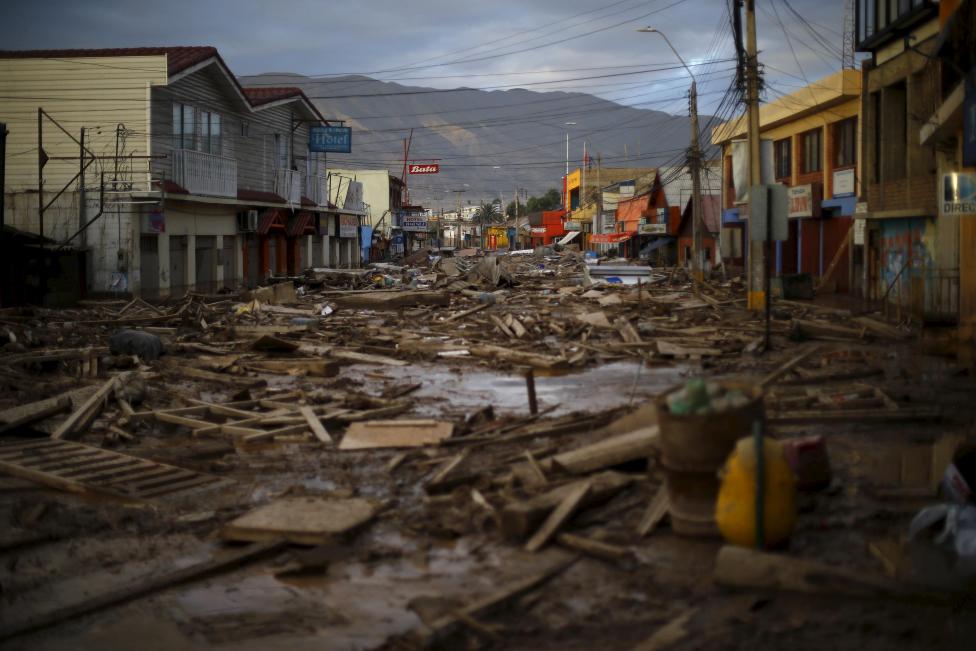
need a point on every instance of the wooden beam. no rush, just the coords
(562, 513)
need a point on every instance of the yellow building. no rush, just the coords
(811, 144)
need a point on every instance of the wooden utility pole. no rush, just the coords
(758, 268)
(694, 165)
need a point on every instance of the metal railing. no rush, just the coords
(205, 174)
(288, 184)
(317, 189)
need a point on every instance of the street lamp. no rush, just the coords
(568, 124)
(694, 163)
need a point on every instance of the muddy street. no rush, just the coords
(473, 452)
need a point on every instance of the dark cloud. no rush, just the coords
(378, 36)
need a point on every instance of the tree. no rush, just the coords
(488, 213)
(551, 200)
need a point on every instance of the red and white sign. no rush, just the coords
(610, 238)
(428, 168)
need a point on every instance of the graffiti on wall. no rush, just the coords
(907, 247)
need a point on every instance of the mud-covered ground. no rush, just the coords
(427, 554)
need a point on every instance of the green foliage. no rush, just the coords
(488, 213)
(551, 200)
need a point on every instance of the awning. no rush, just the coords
(610, 238)
(844, 204)
(568, 238)
(301, 224)
(275, 218)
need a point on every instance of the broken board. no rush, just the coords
(304, 520)
(395, 434)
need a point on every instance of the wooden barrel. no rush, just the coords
(693, 449)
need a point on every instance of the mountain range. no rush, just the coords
(487, 142)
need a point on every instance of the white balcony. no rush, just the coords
(317, 189)
(288, 184)
(205, 174)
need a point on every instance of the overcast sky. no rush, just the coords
(383, 37)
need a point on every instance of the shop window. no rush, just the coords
(812, 151)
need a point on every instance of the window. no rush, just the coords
(845, 143)
(197, 130)
(784, 158)
(812, 151)
(282, 159)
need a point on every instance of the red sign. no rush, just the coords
(610, 238)
(430, 168)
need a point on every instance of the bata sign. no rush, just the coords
(432, 168)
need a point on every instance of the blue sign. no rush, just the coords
(330, 139)
(969, 122)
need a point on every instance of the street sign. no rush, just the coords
(958, 194)
(330, 139)
(429, 168)
(652, 229)
(414, 223)
(771, 201)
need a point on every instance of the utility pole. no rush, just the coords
(458, 219)
(758, 269)
(82, 212)
(3, 196)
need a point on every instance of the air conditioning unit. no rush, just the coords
(247, 222)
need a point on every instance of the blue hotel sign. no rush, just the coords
(330, 139)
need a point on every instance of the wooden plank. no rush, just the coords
(192, 423)
(595, 548)
(560, 515)
(461, 315)
(318, 429)
(787, 366)
(638, 444)
(669, 635)
(518, 519)
(62, 403)
(500, 353)
(82, 416)
(305, 520)
(395, 434)
(141, 587)
(366, 358)
(656, 510)
(854, 415)
(739, 567)
(838, 256)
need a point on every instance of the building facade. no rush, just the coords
(191, 182)
(812, 135)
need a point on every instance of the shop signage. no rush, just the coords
(348, 225)
(572, 225)
(859, 225)
(414, 223)
(652, 229)
(157, 221)
(958, 194)
(430, 168)
(610, 238)
(843, 183)
(861, 208)
(330, 139)
(800, 201)
(538, 230)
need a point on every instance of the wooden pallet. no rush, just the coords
(79, 468)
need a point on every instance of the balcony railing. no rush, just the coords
(205, 174)
(288, 184)
(317, 189)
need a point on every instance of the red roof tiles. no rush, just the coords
(178, 58)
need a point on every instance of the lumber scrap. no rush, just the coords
(60, 404)
(880, 329)
(613, 451)
(518, 519)
(86, 413)
(485, 605)
(519, 357)
(318, 429)
(468, 312)
(90, 603)
(304, 520)
(595, 548)
(395, 434)
(656, 511)
(821, 330)
(366, 358)
(739, 567)
(669, 635)
(222, 378)
(787, 366)
(559, 516)
(392, 300)
(854, 415)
